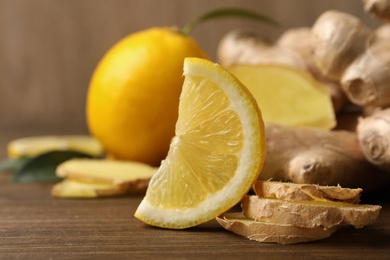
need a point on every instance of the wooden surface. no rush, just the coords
(33, 225)
(48, 50)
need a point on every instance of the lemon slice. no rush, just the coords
(35, 145)
(215, 156)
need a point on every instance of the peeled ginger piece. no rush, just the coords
(76, 189)
(271, 232)
(287, 95)
(103, 177)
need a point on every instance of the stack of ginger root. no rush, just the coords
(287, 213)
(352, 62)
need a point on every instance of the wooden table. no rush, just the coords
(33, 225)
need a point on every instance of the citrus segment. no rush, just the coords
(216, 154)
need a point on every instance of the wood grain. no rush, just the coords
(35, 226)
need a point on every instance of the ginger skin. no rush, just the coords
(308, 192)
(379, 8)
(299, 40)
(356, 60)
(338, 38)
(345, 49)
(289, 213)
(239, 45)
(374, 138)
(245, 46)
(366, 80)
(266, 231)
(383, 31)
(310, 155)
(313, 214)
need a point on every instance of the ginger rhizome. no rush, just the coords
(374, 136)
(339, 50)
(249, 47)
(287, 213)
(366, 80)
(337, 39)
(353, 62)
(246, 46)
(92, 178)
(309, 192)
(379, 8)
(327, 168)
(347, 50)
(312, 155)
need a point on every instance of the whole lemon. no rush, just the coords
(133, 96)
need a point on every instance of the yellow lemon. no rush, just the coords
(216, 154)
(133, 96)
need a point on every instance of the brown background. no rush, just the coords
(49, 48)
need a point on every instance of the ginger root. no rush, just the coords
(309, 214)
(338, 39)
(379, 8)
(353, 62)
(85, 178)
(292, 49)
(382, 32)
(366, 80)
(299, 40)
(374, 138)
(245, 46)
(345, 49)
(287, 213)
(269, 232)
(309, 192)
(312, 155)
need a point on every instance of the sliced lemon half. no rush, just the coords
(216, 154)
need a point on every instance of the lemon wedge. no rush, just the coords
(216, 155)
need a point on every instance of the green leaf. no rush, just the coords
(11, 165)
(42, 168)
(227, 12)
